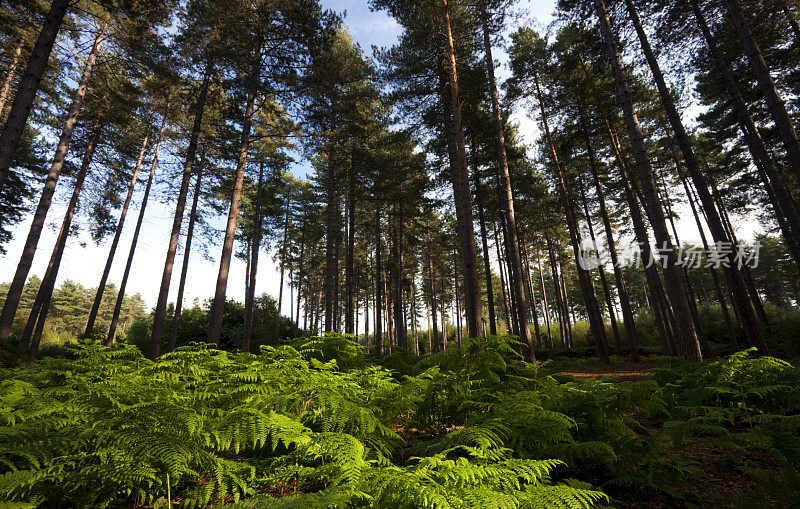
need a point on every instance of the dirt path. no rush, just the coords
(627, 371)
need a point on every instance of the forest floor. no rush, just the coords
(625, 371)
(723, 471)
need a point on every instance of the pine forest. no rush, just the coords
(399, 254)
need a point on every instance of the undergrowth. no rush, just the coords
(316, 423)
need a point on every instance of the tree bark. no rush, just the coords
(250, 296)
(121, 293)
(30, 338)
(717, 286)
(461, 191)
(629, 322)
(98, 298)
(349, 276)
(584, 276)
(40, 215)
(283, 267)
(218, 304)
(187, 251)
(507, 199)
(562, 320)
(602, 272)
(775, 103)
(188, 169)
(685, 328)
(486, 264)
(29, 85)
(510, 322)
(660, 302)
(545, 304)
(738, 288)
(378, 283)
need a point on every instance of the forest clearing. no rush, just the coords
(399, 254)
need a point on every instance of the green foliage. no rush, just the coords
(318, 424)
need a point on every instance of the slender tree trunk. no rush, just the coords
(435, 341)
(121, 293)
(562, 320)
(658, 297)
(685, 329)
(507, 198)
(218, 304)
(30, 338)
(98, 298)
(486, 263)
(26, 93)
(378, 284)
(461, 192)
(502, 280)
(773, 181)
(717, 286)
(775, 103)
(40, 215)
(11, 72)
(738, 288)
(545, 304)
(587, 286)
(187, 251)
(568, 310)
(300, 275)
(349, 277)
(745, 274)
(602, 272)
(631, 333)
(283, 266)
(188, 170)
(534, 304)
(250, 297)
(332, 232)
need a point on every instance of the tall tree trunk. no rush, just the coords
(629, 322)
(584, 276)
(534, 304)
(30, 338)
(378, 283)
(783, 201)
(714, 276)
(98, 298)
(26, 93)
(507, 199)
(685, 328)
(562, 320)
(332, 232)
(461, 192)
(283, 267)
(39, 216)
(738, 288)
(511, 318)
(660, 301)
(545, 304)
(349, 277)
(775, 103)
(486, 263)
(755, 298)
(399, 278)
(187, 251)
(435, 344)
(11, 73)
(218, 304)
(121, 292)
(602, 272)
(188, 170)
(300, 275)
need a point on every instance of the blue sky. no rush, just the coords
(83, 261)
